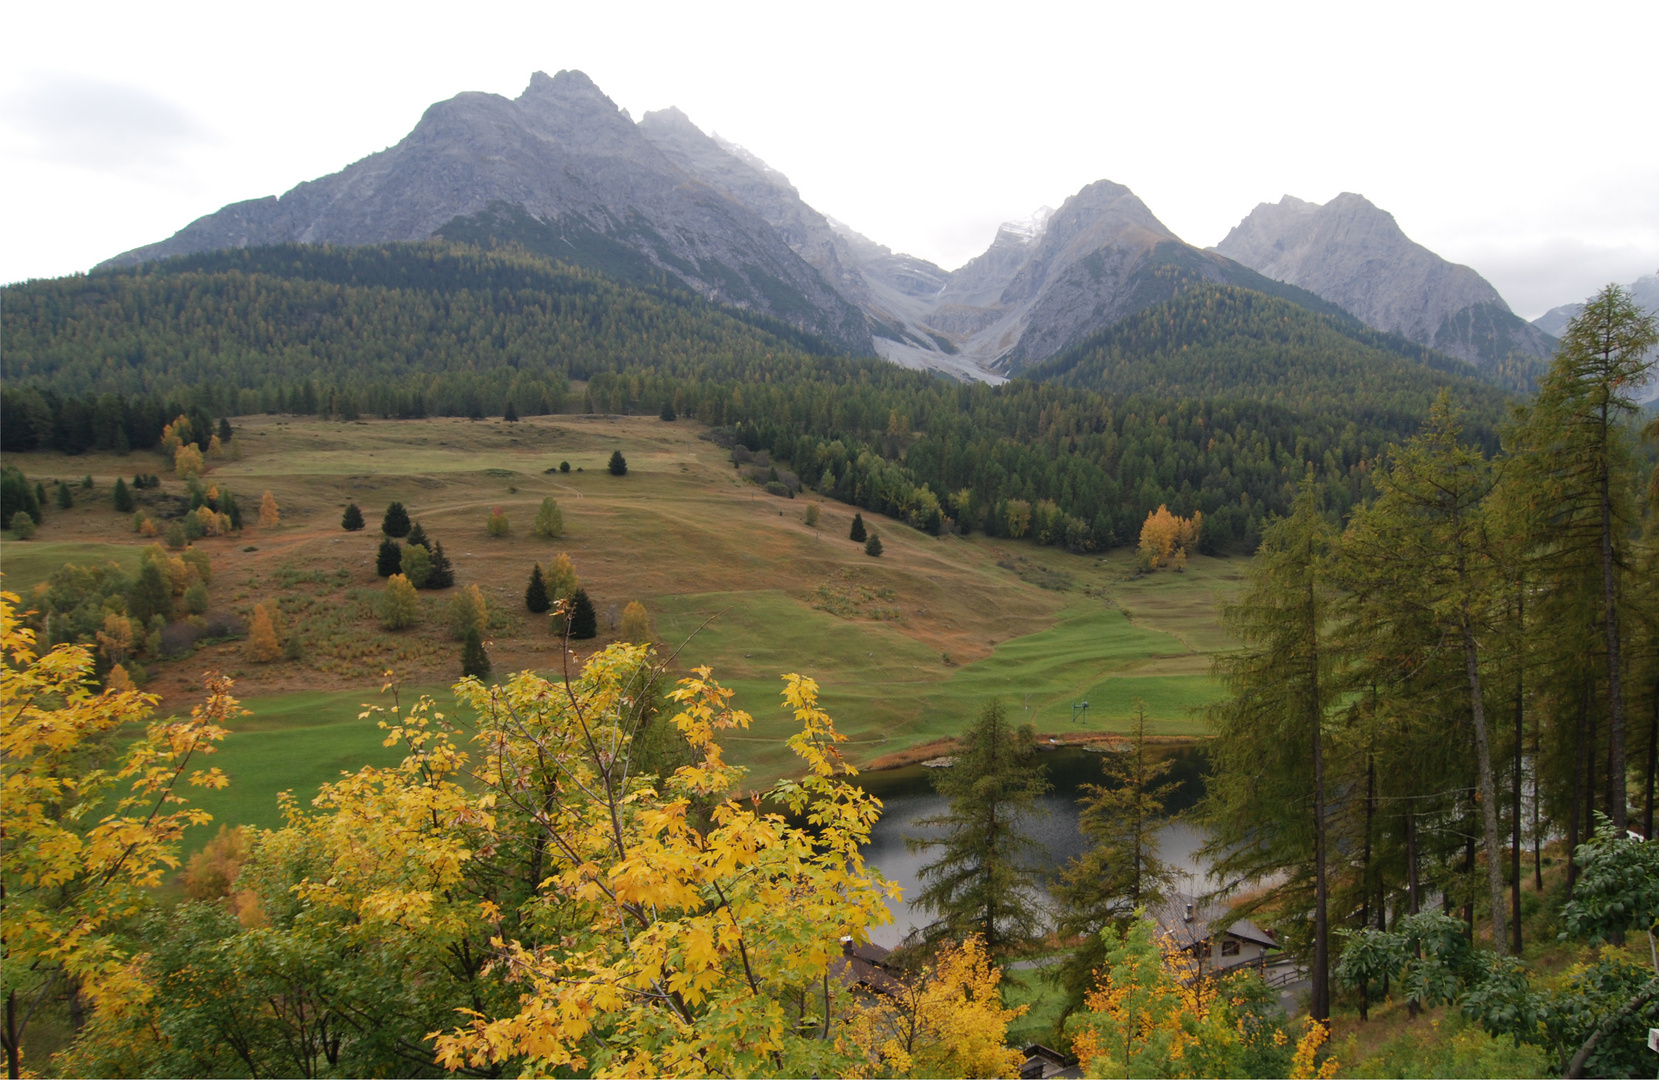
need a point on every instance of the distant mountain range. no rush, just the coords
(562, 171)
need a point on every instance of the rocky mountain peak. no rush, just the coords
(1353, 253)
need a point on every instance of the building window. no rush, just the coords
(1229, 946)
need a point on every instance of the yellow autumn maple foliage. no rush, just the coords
(948, 1020)
(85, 843)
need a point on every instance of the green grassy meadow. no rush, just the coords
(906, 648)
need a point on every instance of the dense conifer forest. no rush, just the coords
(1212, 403)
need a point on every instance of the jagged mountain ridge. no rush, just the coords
(567, 156)
(1353, 253)
(564, 172)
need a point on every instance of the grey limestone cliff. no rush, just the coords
(1355, 254)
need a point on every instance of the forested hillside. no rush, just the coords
(1214, 402)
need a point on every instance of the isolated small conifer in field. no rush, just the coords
(122, 497)
(619, 464)
(872, 546)
(535, 594)
(269, 515)
(40, 493)
(564, 466)
(86, 482)
(668, 411)
(550, 523)
(352, 519)
(510, 414)
(225, 433)
(399, 606)
(66, 498)
(417, 535)
(475, 662)
(858, 534)
(389, 559)
(396, 521)
(263, 646)
(442, 574)
(584, 621)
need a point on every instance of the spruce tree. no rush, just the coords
(510, 414)
(619, 464)
(231, 509)
(417, 535)
(66, 498)
(858, 535)
(1266, 803)
(442, 574)
(225, 433)
(667, 410)
(1120, 871)
(352, 519)
(122, 497)
(396, 521)
(389, 559)
(584, 621)
(475, 662)
(985, 879)
(872, 546)
(535, 594)
(40, 494)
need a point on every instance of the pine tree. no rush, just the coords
(475, 662)
(442, 574)
(510, 414)
(263, 646)
(549, 523)
(232, 510)
(66, 498)
(619, 464)
(1268, 754)
(872, 546)
(122, 497)
(1121, 870)
(417, 535)
(225, 433)
(858, 534)
(396, 521)
(535, 594)
(584, 621)
(150, 594)
(40, 495)
(985, 880)
(389, 559)
(352, 519)
(564, 466)
(667, 410)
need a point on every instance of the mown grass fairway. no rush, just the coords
(906, 647)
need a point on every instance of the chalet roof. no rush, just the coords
(1191, 921)
(863, 965)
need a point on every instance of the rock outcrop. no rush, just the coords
(1354, 254)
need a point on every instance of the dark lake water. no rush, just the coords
(908, 796)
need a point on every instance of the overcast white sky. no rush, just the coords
(1517, 138)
